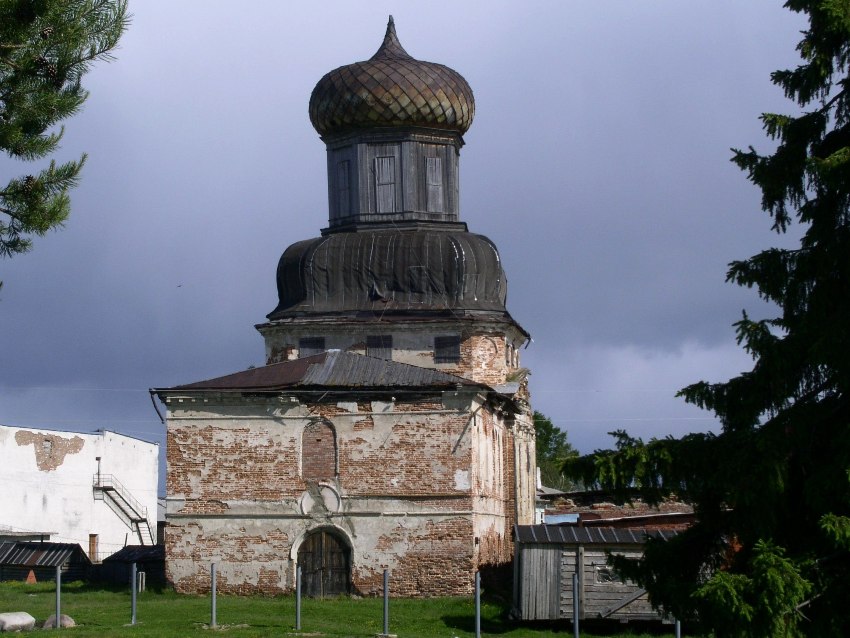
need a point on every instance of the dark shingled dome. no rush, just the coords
(390, 271)
(391, 89)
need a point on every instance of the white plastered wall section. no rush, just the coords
(49, 477)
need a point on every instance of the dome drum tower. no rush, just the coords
(395, 263)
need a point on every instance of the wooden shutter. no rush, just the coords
(434, 182)
(385, 184)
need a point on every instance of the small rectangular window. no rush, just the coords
(379, 346)
(447, 349)
(434, 182)
(308, 346)
(343, 190)
(385, 184)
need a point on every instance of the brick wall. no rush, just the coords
(406, 490)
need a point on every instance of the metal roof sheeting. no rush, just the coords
(570, 535)
(22, 554)
(137, 554)
(390, 270)
(392, 88)
(332, 369)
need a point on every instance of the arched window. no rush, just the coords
(318, 452)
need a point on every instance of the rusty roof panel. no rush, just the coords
(571, 535)
(332, 369)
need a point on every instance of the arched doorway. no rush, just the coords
(325, 562)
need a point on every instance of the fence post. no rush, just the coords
(386, 602)
(58, 596)
(133, 594)
(477, 604)
(575, 606)
(678, 629)
(212, 592)
(298, 598)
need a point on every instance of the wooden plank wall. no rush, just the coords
(597, 593)
(539, 581)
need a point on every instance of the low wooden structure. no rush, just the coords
(18, 559)
(149, 560)
(547, 556)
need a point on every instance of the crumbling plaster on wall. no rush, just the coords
(50, 449)
(53, 473)
(489, 350)
(408, 491)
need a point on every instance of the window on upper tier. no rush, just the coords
(385, 184)
(308, 346)
(434, 182)
(380, 346)
(343, 189)
(447, 349)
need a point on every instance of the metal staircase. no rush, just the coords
(108, 489)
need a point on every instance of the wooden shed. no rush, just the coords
(18, 559)
(149, 560)
(547, 556)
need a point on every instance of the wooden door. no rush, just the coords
(325, 565)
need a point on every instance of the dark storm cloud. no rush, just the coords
(598, 162)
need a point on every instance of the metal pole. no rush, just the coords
(575, 605)
(212, 591)
(298, 598)
(678, 629)
(133, 594)
(386, 602)
(58, 596)
(477, 604)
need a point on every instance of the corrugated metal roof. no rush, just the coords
(571, 535)
(332, 369)
(24, 554)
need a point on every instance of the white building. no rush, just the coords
(98, 490)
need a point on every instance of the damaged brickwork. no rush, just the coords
(488, 352)
(50, 449)
(423, 488)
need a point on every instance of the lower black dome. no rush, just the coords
(390, 270)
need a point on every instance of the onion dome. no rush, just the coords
(391, 89)
(390, 271)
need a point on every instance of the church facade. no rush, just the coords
(390, 427)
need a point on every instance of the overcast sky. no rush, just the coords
(615, 225)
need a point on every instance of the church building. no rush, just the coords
(390, 427)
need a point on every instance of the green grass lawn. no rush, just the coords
(103, 611)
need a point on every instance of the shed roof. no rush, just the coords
(137, 554)
(331, 369)
(28, 554)
(570, 535)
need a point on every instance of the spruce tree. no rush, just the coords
(46, 46)
(768, 555)
(552, 449)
